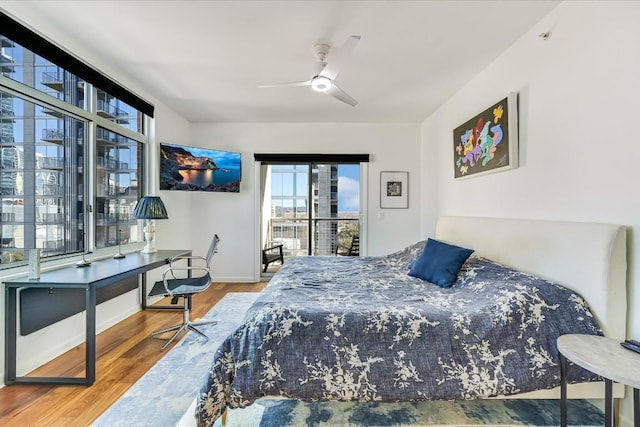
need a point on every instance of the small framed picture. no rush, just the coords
(394, 190)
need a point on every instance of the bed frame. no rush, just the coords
(589, 258)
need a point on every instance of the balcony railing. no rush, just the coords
(104, 190)
(52, 218)
(54, 80)
(52, 135)
(7, 242)
(112, 218)
(51, 163)
(9, 191)
(50, 190)
(328, 235)
(52, 246)
(111, 163)
(52, 77)
(7, 217)
(106, 136)
(109, 111)
(7, 140)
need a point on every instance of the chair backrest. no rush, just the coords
(354, 249)
(213, 248)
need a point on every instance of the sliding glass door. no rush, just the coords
(310, 208)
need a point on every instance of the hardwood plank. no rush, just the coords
(125, 352)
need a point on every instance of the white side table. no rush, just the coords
(605, 357)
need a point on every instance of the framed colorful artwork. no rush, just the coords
(394, 190)
(488, 142)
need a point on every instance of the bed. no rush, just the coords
(362, 329)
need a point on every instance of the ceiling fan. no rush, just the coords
(324, 79)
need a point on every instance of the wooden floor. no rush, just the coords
(125, 352)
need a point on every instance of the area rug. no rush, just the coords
(523, 412)
(165, 396)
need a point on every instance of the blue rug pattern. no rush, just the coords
(498, 412)
(165, 396)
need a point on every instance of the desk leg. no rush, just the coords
(10, 334)
(608, 403)
(90, 357)
(563, 391)
(636, 414)
(143, 297)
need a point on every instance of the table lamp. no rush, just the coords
(150, 208)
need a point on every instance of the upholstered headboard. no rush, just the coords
(589, 258)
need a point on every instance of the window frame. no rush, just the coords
(92, 120)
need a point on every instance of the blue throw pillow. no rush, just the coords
(439, 263)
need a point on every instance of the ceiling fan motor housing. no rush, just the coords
(321, 83)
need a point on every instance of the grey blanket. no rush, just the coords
(361, 329)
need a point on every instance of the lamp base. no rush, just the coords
(119, 255)
(149, 238)
(83, 263)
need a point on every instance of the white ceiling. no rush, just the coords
(204, 59)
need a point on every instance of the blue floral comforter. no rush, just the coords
(361, 329)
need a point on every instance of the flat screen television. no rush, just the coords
(199, 169)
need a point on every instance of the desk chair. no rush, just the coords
(177, 288)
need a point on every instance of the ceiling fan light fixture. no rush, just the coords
(321, 84)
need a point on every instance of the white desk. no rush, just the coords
(605, 357)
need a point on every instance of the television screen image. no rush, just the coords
(198, 169)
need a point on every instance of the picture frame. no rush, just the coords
(488, 142)
(394, 190)
(191, 168)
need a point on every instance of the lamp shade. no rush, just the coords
(150, 207)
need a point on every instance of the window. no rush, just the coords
(118, 165)
(62, 156)
(41, 177)
(118, 112)
(316, 224)
(26, 67)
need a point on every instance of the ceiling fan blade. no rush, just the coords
(338, 93)
(336, 62)
(292, 84)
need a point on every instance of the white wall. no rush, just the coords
(234, 215)
(579, 113)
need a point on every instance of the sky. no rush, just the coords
(348, 188)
